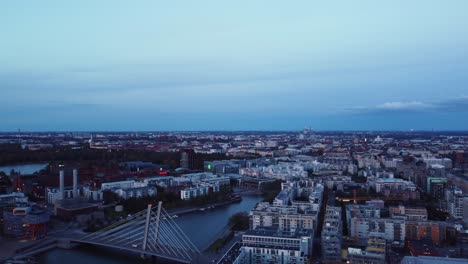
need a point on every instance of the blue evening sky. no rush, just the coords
(233, 65)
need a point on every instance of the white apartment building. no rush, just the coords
(393, 184)
(122, 185)
(394, 229)
(268, 246)
(446, 162)
(137, 192)
(455, 197)
(201, 189)
(391, 163)
(280, 172)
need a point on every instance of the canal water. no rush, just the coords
(23, 169)
(202, 227)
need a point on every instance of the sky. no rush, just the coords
(233, 65)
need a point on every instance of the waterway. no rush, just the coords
(202, 227)
(24, 169)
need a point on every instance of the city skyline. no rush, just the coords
(246, 66)
(243, 132)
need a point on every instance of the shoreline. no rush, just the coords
(226, 230)
(181, 211)
(176, 211)
(10, 167)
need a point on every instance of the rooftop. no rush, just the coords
(273, 232)
(432, 260)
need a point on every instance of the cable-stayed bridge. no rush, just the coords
(151, 232)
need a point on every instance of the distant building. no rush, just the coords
(224, 166)
(422, 248)
(128, 189)
(392, 163)
(465, 211)
(13, 198)
(25, 221)
(220, 180)
(352, 169)
(280, 172)
(137, 192)
(376, 203)
(407, 190)
(201, 189)
(187, 159)
(124, 189)
(363, 220)
(446, 162)
(415, 171)
(436, 187)
(393, 184)
(3, 184)
(374, 253)
(454, 197)
(283, 198)
(359, 256)
(53, 194)
(92, 194)
(394, 229)
(434, 231)
(368, 162)
(409, 213)
(162, 181)
(69, 209)
(332, 235)
(361, 211)
(288, 218)
(265, 245)
(137, 166)
(120, 185)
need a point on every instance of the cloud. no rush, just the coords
(459, 104)
(404, 106)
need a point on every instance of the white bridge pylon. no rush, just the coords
(151, 232)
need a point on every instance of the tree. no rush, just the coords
(109, 197)
(239, 221)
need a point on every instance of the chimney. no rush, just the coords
(75, 183)
(62, 184)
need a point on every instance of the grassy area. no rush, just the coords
(237, 222)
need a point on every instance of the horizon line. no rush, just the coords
(219, 130)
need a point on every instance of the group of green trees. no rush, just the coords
(270, 190)
(239, 221)
(14, 153)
